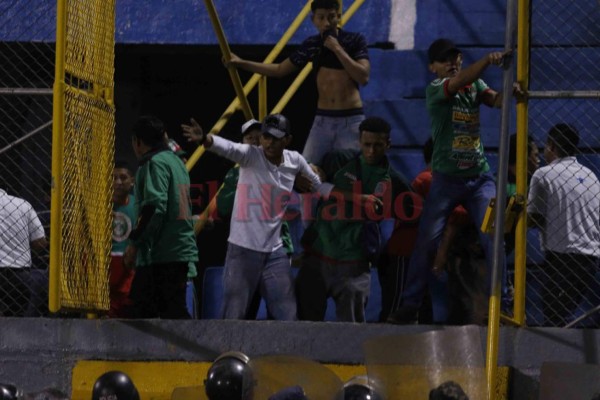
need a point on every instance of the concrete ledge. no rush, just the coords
(36, 353)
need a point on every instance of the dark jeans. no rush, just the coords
(569, 276)
(14, 291)
(348, 284)
(158, 291)
(247, 271)
(391, 278)
(446, 193)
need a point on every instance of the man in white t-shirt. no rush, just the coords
(20, 231)
(256, 258)
(564, 202)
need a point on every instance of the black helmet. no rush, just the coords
(114, 385)
(229, 378)
(448, 390)
(9, 392)
(359, 388)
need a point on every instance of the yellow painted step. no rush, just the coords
(156, 380)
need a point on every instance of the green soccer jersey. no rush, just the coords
(124, 219)
(162, 184)
(336, 233)
(457, 147)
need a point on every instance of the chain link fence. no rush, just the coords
(27, 31)
(84, 125)
(563, 279)
(83, 177)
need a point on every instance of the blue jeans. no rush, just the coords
(248, 270)
(329, 133)
(348, 284)
(446, 193)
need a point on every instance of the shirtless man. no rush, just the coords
(341, 62)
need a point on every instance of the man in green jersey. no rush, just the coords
(163, 245)
(459, 167)
(335, 263)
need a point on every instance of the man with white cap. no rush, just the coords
(256, 257)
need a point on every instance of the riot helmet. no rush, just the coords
(230, 378)
(10, 392)
(359, 388)
(114, 385)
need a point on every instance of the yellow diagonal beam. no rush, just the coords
(234, 105)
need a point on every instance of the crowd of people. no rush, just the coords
(340, 204)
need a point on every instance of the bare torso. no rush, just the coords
(337, 91)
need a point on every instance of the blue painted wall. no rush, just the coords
(399, 77)
(477, 23)
(252, 22)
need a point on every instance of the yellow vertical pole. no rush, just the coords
(523, 29)
(498, 262)
(58, 125)
(262, 98)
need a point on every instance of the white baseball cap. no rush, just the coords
(251, 123)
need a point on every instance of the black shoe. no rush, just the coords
(404, 315)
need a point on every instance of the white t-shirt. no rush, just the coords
(567, 195)
(19, 226)
(263, 193)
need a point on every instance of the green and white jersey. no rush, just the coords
(457, 147)
(124, 219)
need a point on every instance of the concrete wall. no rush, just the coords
(36, 353)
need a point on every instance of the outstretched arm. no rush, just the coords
(474, 71)
(273, 70)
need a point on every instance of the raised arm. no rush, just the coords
(358, 70)
(473, 72)
(237, 152)
(272, 70)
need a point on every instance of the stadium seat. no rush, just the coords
(407, 162)
(410, 83)
(191, 300)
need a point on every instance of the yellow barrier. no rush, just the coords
(156, 380)
(82, 155)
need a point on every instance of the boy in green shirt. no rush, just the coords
(335, 263)
(124, 218)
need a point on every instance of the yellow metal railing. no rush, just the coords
(82, 156)
(58, 118)
(233, 73)
(259, 79)
(254, 80)
(523, 25)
